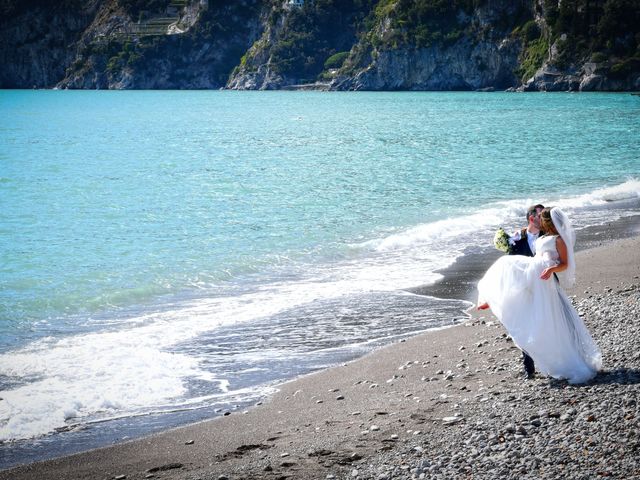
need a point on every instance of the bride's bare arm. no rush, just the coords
(562, 265)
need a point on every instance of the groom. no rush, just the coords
(525, 240)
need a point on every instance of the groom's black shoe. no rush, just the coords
(529, 367)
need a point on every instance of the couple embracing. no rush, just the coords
(523, 291)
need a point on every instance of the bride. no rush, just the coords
(536, 312)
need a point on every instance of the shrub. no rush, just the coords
(624, 68)
(533, 57)
(336, 60)
(113, 64)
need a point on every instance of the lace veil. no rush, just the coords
(568, 234)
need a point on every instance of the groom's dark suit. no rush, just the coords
(521, 247)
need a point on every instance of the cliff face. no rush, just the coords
(481, 57)
(528, 45)
(255, 71)
(464, 66)
(38, 43)
(297, 41)
(584, 75)
(592, 46)
(588, 77)
(199, 49)
(101, 46)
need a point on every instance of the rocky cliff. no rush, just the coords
(197, 48)
(589, 46)
(39, 41)
(482, 53)
(102, 44)
(527, 45)
(467, 65)
(297, 41)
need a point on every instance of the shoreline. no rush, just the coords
(315, 425)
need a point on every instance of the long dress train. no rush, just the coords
(539, 316)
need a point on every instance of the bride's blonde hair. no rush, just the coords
(547, 223)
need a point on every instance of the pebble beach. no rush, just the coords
(450, 403)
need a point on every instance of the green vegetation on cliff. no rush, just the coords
(596, 30)
(311, 34)
(535, 49)
(424, 23)
(420, 23)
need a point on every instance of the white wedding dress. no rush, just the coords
(539, 316)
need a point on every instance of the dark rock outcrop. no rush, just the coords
(588, 77)
(484, 57)
(463, 66)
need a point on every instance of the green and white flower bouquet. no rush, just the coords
(502, 241)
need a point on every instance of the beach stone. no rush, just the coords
(451, 420)
(164, 468)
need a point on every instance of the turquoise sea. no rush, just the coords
(169, 255)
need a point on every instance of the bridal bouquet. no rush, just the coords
(502, 241)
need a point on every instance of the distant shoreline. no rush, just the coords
(313, 87)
